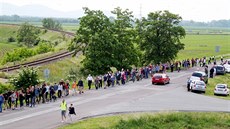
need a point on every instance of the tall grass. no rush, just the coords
(157, 121)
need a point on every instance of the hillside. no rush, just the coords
(60, 40)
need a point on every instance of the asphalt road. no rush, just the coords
(133, 97)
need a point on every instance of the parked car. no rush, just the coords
(197, 75)
(160, 78)
(227, 68)
(220, 70)
(221, 89)
(198, 85)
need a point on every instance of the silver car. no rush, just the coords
(221, 89)
(227, 68)
(198, 85)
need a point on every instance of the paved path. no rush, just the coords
(138, 96)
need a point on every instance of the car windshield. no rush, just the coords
(221, 86)
(197, 74)
(157, 76)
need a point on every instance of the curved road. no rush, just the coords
(133, 97)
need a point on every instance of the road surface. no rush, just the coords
(133, 97)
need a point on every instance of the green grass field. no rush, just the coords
(204, 45)
(7, 31)
(60, 69)
(166, 120)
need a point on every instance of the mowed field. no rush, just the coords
(204, 45)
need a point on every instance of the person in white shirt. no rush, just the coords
(90, 80)
(60, 88)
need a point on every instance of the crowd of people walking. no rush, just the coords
(46, 92)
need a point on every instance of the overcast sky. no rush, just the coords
(197, 10)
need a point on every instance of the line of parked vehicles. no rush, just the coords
(198, 80)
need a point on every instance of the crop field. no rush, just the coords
(6, 47)
(204, 45)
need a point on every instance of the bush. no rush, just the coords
(5, 87)
(11, 39)
(17, 55)
(72, 76)
(44, 47)
(27, 77)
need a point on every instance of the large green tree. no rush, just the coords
(50, 23)
(125, 53)
(28, 35)
(94, 39)
(159, 36)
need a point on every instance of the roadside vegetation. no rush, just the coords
(166, 120)
(212, 82)
(68, 68)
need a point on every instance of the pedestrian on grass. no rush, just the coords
(71, 111)
(63, 110)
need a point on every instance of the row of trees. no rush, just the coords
(17, 18)
(120, 43)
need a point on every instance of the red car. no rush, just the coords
(160, 78)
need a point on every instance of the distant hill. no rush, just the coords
(37, 11)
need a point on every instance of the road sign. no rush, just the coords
(46, 73)
(217, 49)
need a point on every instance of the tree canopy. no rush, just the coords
(50, 23)
(28, 35)
(160, 36)
(105, 43)
(114, 42)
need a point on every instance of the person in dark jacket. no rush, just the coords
(80, 86)
(21, 99)
(71, 111)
